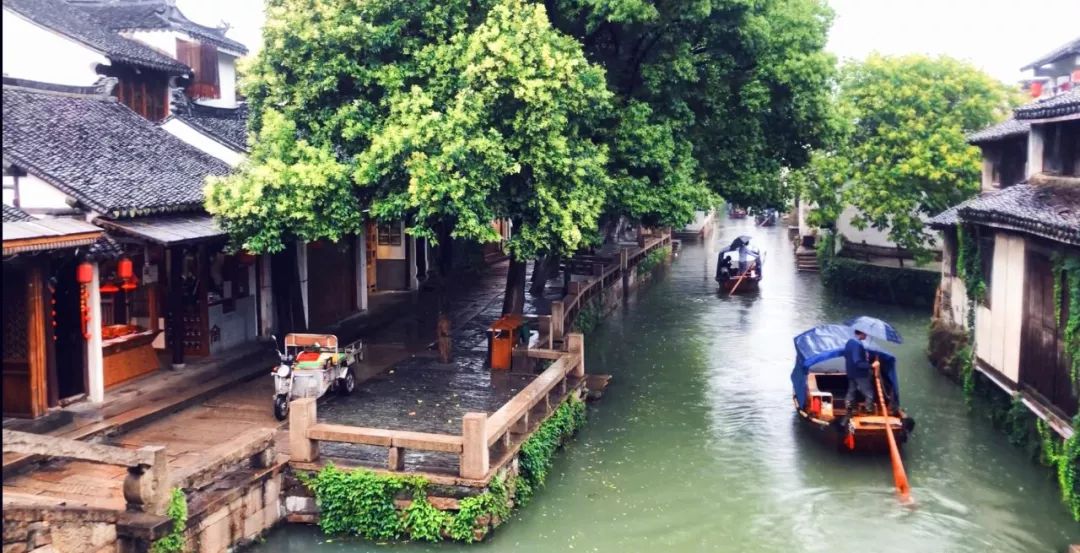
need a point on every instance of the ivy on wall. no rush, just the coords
(361, 502)
(1067, 273)
(177, 511)
(969, 270)
(896, 285)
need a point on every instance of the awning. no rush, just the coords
(168, 230)
(48, 234)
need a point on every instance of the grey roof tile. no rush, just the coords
(1066, 103)
(1004, 129)
(98, 151)
(228, 126)
(77, 24)
(1050, 210)
(14, 214)
(155, 14)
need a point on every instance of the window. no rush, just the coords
(145, 93)
(202, 58)
(390, 234)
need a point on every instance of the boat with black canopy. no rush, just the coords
(738, 267)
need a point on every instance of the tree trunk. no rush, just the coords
(514, 294)
(543, 270)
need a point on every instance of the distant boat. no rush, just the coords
(820, 382)
(738, 267)
(735, 212)
(766, 218)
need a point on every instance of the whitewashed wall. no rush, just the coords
(997, 328)
(165, 42)
(34, 193)
(196, 138)
(39, 54)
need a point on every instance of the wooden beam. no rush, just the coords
(35, 331)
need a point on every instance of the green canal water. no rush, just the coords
(695, 446)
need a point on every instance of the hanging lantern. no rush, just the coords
(130, 284)
(84, 273)
(124, 268)
(1036, 89)
(109, 288)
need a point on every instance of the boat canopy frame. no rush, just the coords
(825, 342)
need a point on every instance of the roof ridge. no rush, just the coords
(95, 91)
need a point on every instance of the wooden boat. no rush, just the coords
(739, 267)
(736, 213)
(819, 383)
(767, 218)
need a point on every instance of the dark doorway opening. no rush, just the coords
(69, 344)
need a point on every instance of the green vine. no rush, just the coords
(537, 451)
(654, 259)
(969, 270)
(173, 542)
(361, 502)
(1064, 457)
(1067, 272)
(589, 316)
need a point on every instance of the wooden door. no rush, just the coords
(331, 281)
(24, 341)
(1043, 366)
(371, 254)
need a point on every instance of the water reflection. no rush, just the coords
(696, 446)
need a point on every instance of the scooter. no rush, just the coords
(310, 366)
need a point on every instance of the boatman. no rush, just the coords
(857, 365)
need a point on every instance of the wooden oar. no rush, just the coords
(741, 277)
(899, 475)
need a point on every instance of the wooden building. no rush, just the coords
(1026, 217)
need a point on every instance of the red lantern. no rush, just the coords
(84, 273)
(1036, 89)
(1076, 75)
(109, 288)
(124, 268)
(129, 284)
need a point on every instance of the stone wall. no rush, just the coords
(236, 511)
(61, 530)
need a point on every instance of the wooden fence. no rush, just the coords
(479, 431)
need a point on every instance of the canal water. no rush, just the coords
(695, 446)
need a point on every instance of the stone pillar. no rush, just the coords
(266, 296)
(95, 361)
(302, 415)
(146, 487)
(396, 459)
(302, 270)
(557, 314)
(475, 456)
(624, 262)
(1036, 141)
(575, 343)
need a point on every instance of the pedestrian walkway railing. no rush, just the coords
(604, 276)
(480, 432)
(146, 487)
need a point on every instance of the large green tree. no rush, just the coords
(557, 116)
(902, 154)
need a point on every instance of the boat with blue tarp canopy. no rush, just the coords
(820, 384)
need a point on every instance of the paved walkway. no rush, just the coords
(409, 390)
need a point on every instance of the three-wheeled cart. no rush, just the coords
(311, 365)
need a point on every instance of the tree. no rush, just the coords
(903, 154)
(559, 116)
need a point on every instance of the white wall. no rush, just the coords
(997, 329)
(35, 193)
(393, 252)
(165, 42)
(185, 132)
(36, 53)
(870, 235)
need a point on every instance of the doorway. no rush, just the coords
(68, 341)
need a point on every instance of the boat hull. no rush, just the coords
(867, 431)
(747, 286)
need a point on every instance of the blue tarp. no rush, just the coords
(825, 342)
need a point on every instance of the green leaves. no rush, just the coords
(901, 153)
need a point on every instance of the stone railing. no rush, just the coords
(146, 487)
(479, 431)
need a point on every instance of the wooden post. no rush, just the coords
(624, 262)
(35, 334)
(396, 459)
(575, 343)
(558, 314)
(475, 458)
(95, 360)
(302, 415)
(176, 306)
(522, 424)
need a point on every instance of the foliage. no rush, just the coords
(537, 451)
(422, 520)
(1064, 457)
(896, 285)
(653, 260)
(589, 315)
(1067, 272)
(492, 503)
(825, 248)
(904, 155)
(452, 113)
(969, 267)
(177, 511)
(357, 502)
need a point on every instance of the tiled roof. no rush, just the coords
(1005, 129)
(14, 214)
(1050, 210)
(98, 151)
(155, 14)
(104, 248)
(1071, 48)
(228, 126)
(82, 27)
(1066, 103)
